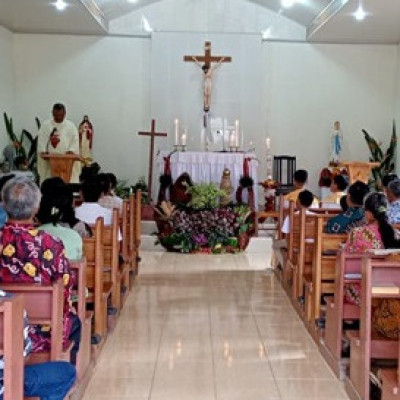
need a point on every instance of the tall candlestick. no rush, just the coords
(176, 125)
(237, 132)
(268, 143)
(232, 139)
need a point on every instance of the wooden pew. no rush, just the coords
(304, 260)
(83, 362)
(126, 255)
(111, 261)
(348, 271)
(99, 288)
(292, 238)
(368, 344)
(322, 277)
(138, 227)
(44, 306)
(12, 346)
(391, 381)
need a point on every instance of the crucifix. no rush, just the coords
(152, 135)
(208, 70)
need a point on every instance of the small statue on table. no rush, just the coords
(86, 138)
(226, 186)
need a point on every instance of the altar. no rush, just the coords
(208, 167)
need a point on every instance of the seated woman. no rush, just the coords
(31, 255)
(55, 190)
(376, 234)
(354, 215)
(54, 207)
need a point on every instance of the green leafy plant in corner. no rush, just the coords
(386, 159)
(24, 156)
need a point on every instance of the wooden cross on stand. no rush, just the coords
(152, 135)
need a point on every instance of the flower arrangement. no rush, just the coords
(204, 195)
(215, 230)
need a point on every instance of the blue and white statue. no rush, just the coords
(336, 143)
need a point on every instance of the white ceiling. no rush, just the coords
(40, 16)
(303, 12)
(382, 25)
(336, 24)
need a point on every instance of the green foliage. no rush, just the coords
(204, 195)
(386, 160)
(29, 155)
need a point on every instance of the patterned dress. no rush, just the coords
(346, 221)
(30, 255)
(360, 240)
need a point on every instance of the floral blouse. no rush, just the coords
(364, 238)
(360, 240)
(31, 255)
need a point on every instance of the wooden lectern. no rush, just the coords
(61, 164)
(359, 170)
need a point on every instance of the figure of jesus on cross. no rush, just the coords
(208, 70)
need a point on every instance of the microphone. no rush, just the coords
(53, 132)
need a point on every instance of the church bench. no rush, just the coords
(111, 262)
(292, 248)
(368, 344)
(304, 259)
(326, 246)
(391, 381)
(44, 306)
(126, 256)
(83, 362)
(348, 270)
(99, 289)
(138, 228)
(12, 345)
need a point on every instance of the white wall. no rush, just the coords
(307, 87)
(6, 81)
(106, 78)
(304, 89)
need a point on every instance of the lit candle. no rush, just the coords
(268, 143)
(176, 125)
(232, 139)
(183, 139)
(237, 130)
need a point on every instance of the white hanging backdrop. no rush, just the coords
(177, 86)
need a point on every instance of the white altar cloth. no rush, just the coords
(208, 167)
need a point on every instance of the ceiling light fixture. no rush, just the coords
(61, 5)
(287, 3)
(360, 14)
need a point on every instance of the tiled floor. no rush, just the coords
(201, 327)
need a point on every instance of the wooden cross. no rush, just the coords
(152, 135)
(207, 58)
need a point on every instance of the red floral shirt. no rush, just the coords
(31, 255)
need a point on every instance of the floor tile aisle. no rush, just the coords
(201, 327)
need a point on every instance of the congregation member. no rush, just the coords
(376, 234)
(51, 189)
(304, 200)
(300, 181)
(56, 206)
(3, 214)
(354, 215)
(30, 255)
(109, 199)
(338, 187)
(386, 180)
(90, 209)
(393, 194)
(48, 380)
(58, 136)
